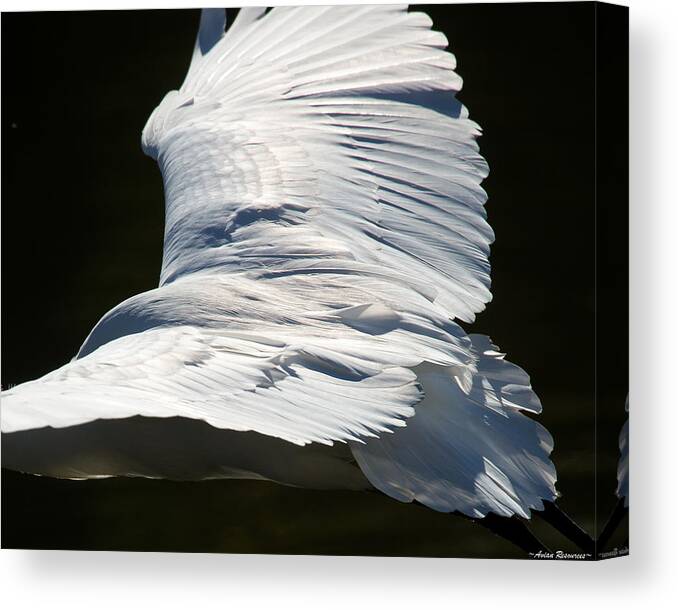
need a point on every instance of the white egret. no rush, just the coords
(623, 465)
(621, 509)
(324, 229)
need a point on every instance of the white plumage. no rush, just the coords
(623, 464)
(324, 228)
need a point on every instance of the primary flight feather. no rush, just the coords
(324, 229)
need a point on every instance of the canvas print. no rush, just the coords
(364, 307)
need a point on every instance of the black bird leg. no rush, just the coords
(612, 523)
(511, 529)
(560, 521)
(514, 530)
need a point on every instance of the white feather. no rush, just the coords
(623, 464)
(324, 226)
(326, 136)
(472, 452)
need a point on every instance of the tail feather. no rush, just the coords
(472, 452)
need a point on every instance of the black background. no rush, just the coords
(82, 230)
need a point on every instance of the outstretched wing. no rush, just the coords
(316, 139)
(322, 148)
(299, 394)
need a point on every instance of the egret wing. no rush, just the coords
(316, 139)
(300, 394)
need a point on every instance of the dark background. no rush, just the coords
(82, 230)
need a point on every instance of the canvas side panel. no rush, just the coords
(612, 272)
